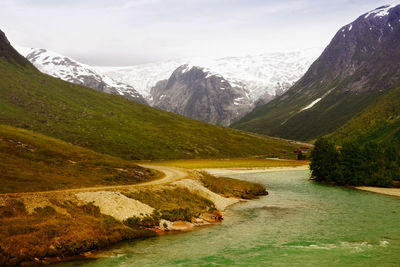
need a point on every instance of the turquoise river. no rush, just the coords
(300, 223)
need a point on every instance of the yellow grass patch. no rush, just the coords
(229, 163)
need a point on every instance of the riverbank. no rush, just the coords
(236, 163)
(381, 190)
(230, 171)
(45, 226)
(301, 223)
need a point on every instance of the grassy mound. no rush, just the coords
(229, 187)
(45, 233)
(174, 204)
(34, 162)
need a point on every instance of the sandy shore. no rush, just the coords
(229, 171)
(381, 190)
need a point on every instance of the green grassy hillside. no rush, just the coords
(113, 125)
(34, 162)
(285, 118)
(378, 122)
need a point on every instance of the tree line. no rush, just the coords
(370, 164)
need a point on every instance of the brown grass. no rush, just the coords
(229, 187)
(229, 163)
(45, 233)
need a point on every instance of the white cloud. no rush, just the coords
(123, 32)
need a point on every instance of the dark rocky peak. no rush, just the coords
(359, 48)
(3, 38)
(199, 93)
(9, 53)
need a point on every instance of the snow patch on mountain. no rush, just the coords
(312, 104)
(380, 11)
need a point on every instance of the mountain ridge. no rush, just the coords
(360, 63)
(257, 74)
(70, 70)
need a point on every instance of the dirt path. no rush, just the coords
(171, 174)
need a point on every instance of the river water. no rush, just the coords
(300, 223)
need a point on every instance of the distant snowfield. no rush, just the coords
(270, 73)
(257, 74)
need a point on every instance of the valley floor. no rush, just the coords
(50, 226)
(43, 226)
(230, 171)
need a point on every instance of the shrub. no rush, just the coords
(148, 221)
(47, 211)
(12, 209)
(91, 209)
(178, 214)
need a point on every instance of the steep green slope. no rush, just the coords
(380, 121)
(361, 63)
(34, 162)
(286, 119)
(114, 125)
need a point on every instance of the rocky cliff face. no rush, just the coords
(361, 62)
(197, 93)
(365, 50)
(73, 71)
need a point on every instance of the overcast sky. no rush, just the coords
(127, 32)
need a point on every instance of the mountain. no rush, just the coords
(112, 124)
(257, 74)
(361, 63)
(246, 82)
(198, 93)
(70, 70)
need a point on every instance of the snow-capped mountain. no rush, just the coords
(257, 74)
(73, 71)
(223, 90)
(200, 94)
(360, 64)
